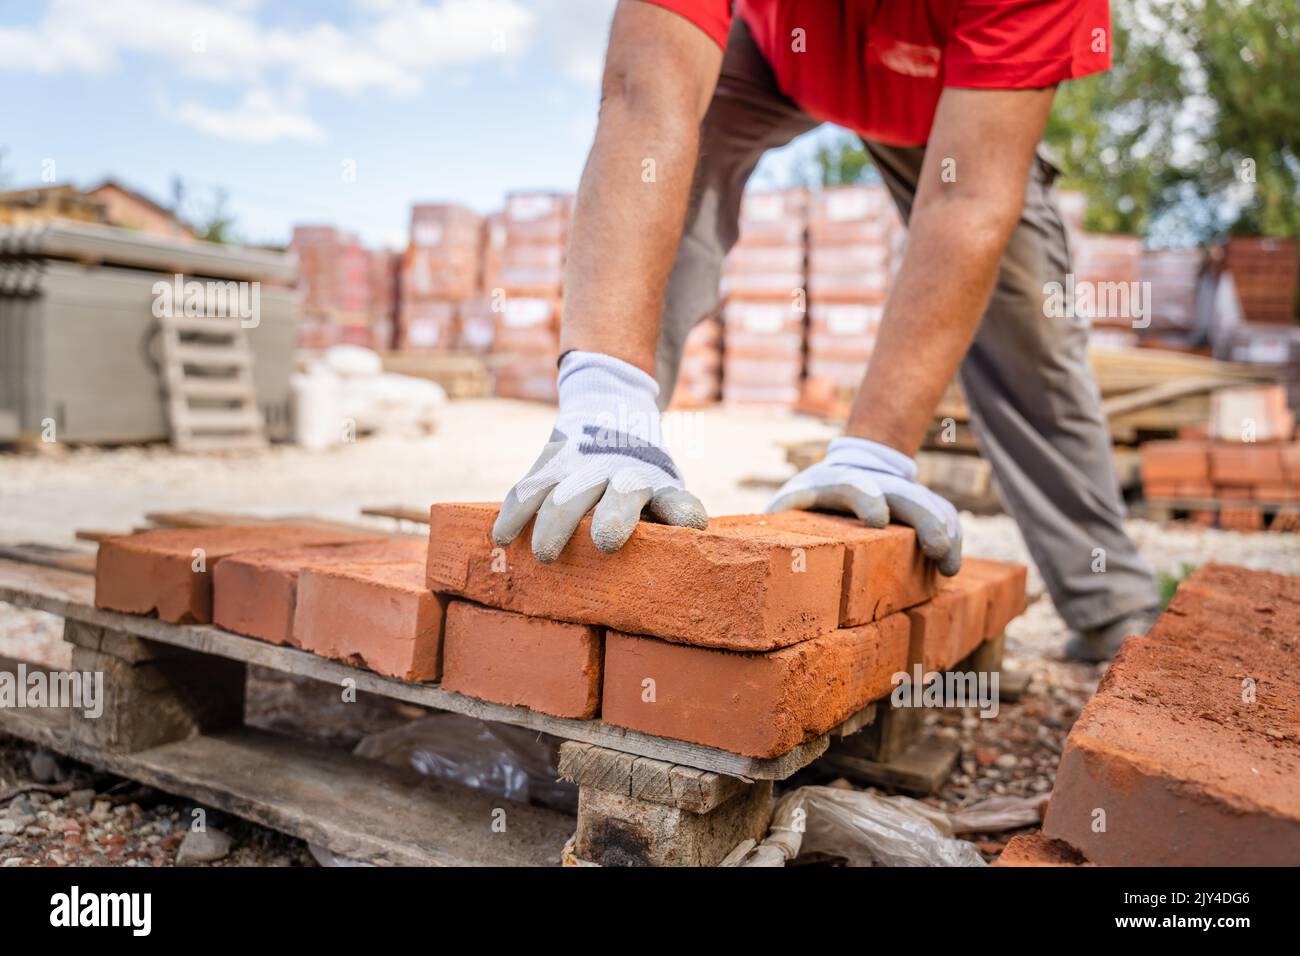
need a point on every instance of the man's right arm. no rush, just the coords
(605, 454)
(660, 70)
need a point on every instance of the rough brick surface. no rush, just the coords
(376, 615)
(255, 592)
(928, 644)
(158, 571)
(739, 587)
(1173, 461)
(1191, 746)
(965, 598)
(1253, 464)
(759, 705)
(548, 666)
(1005, 594)
(1034, 849)
(884, 569)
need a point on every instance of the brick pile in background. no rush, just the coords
(1264, 271)
(347, 290)
(764, 311)
(852, 231)
(1247, 479)
(1174, 276)
(477, 315)
(440, 272)
(526, 334)
(699, 378)
(753, 636)
(1190, 746)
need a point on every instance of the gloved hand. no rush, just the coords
(604, 452)
(873, 481)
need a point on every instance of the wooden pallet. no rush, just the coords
(174, 720)
(207, 369)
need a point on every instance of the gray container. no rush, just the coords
(78, 337)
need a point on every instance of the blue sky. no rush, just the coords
(275, 102)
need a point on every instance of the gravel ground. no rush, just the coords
(480, 448)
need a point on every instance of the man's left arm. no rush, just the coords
(967, 205)
(956, 236)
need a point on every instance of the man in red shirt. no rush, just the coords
(950, 98)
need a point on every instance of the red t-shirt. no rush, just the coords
(878, 66)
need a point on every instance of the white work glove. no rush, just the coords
(604, 452)
(873, 481)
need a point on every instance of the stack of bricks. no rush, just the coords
(1188, 755)
(440, 271)
(699, 378)
(531, 277)
(764, 311)
(851, 234)
(753, 636)
(1246, 470)
(1103, 262)
(1264, 273)
(478, 313)
(338, 280)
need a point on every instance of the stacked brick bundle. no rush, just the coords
(531, 279)
(1108, 262)
(754, 636)
(440, 271)
(478, 314)
(1246, 470)
(851, 236)
(1264, 272)
(699, 379)
(764, 311)
(1189, 755)
(1174, 278)
(346, 289)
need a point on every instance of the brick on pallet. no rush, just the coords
(968, 610)
(378, 615)
(884, 569)
(170, 571)
(1173, 461)
(1188, 768)
(739, 587)
(1246, 464)
(759, 705)
(552, 667)
(1241, 519)
(255, 593)
(1006, 591)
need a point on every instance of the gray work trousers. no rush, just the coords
(1035, 407)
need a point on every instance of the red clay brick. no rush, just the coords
(1234, 493)
(1034, 849)
(966, 599)
(254, 592)
(1172, 461)
(929, 643)
(759, 705)
(548, 666)
(372, 614)
(1241, 519)
(1160, 489)
(1274, 493)
(153, 571)
(738, 587)
(1246, 464)
(1290, 453)
(884, 569)
(1194, 489)
(1189, 770)
(1006, 594)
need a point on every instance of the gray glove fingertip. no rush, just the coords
(616, 517)
(515, 515)
(555, 524)
(677, 506)
(950, 563)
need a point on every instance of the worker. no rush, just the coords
(950, 98)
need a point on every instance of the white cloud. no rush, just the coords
(386, 46)
(257, 119)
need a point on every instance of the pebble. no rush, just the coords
(102, 812)
(203, 846)
(45, 768)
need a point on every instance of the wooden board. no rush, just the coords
(71, 595)
(357, 808)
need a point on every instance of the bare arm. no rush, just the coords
(957, 234)
(660, 71)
